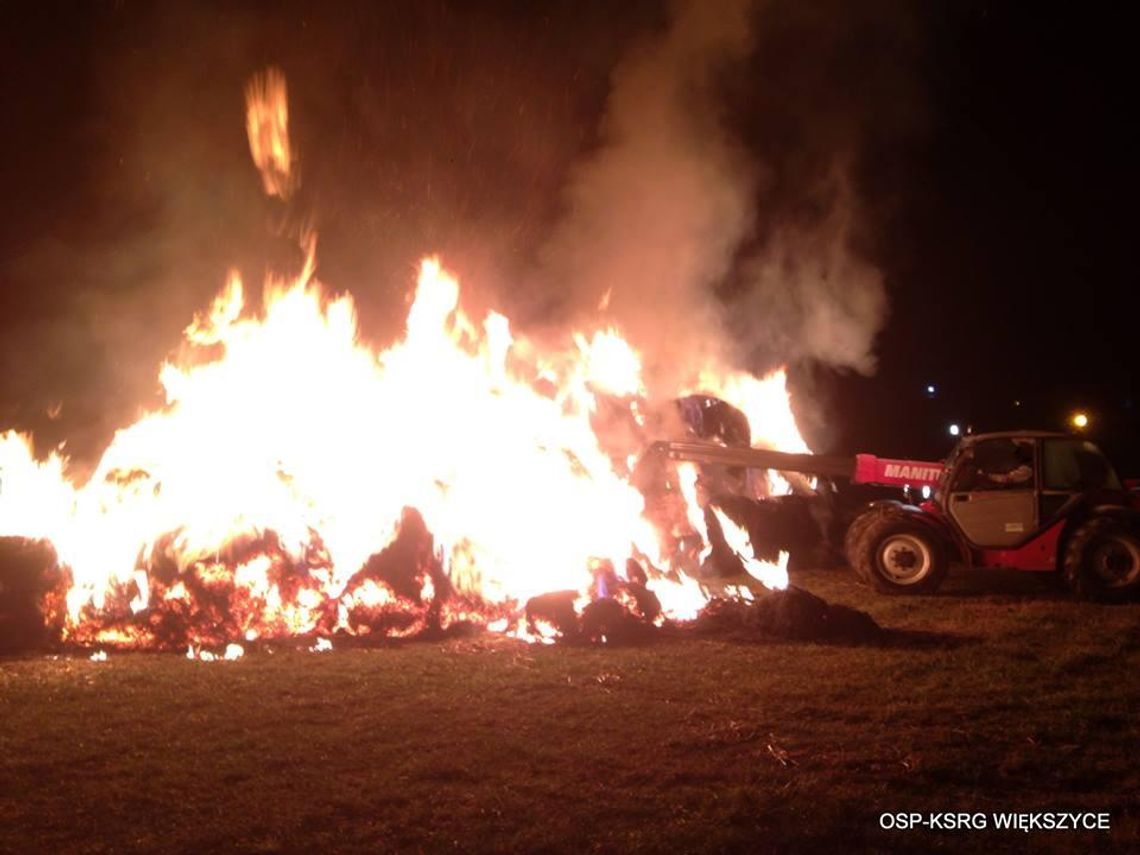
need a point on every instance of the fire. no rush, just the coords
(770, 575)
(298, 482)
(267, 126)
(609, 364)
(765, 401)
(688, 477)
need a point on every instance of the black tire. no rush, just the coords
(900, 555)
(852, 536)
(851, 540)
(1102, 559)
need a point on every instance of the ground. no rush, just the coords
(1000, 694)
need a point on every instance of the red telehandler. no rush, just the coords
(1027, 500)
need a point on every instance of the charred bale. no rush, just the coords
(722, 617)
(795, 614)
(402, 564)
(791, 615)
(606, 620)
(27, 574)
(645, 603)
(555, 609)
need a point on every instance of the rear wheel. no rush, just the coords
(1102, 559)
(899, 555)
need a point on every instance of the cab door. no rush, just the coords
(993, 494)
(1070, 468)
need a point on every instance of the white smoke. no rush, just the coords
(655, 217)
(808, 296)
(664, 213)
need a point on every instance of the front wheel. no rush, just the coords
(853, 546)
(899, 555)
(851, 541)
(1102, 560)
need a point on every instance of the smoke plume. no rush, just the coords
(666, 223)
(655, 216)
(808, 296)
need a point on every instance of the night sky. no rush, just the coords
(984, 146)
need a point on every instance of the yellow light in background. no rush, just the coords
(1079, 420)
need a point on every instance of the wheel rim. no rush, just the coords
(1116, 562)
(905, 559)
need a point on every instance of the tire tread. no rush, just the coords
(881, 524)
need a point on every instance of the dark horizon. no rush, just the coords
(985, 145)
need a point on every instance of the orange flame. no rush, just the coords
(770, 575)
(267, 126)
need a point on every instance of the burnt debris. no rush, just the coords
(790, 615)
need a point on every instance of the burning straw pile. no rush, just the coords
(618, 610)
(298, 483)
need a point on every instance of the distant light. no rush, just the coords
(955, 430)
(1080, 420)
(1017, 403)
(931, 390)
(926, 491)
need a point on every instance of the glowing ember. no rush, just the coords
(231, 653)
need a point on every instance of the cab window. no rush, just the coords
(1075, 465)
(996, 464)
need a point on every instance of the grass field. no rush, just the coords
(997, 695)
